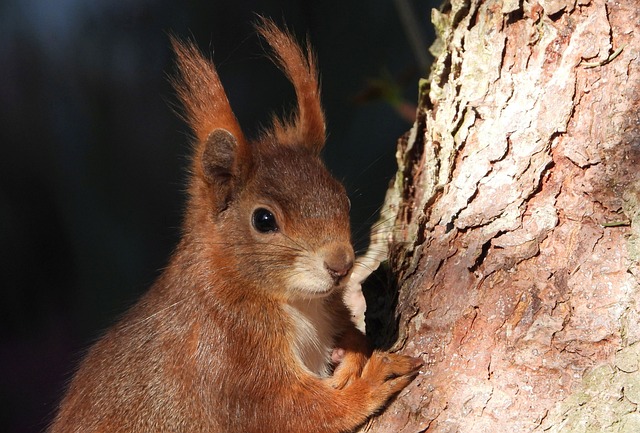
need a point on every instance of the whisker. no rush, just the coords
(302, 248)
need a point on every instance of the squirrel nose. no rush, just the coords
(338, 261)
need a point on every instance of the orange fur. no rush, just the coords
(237, 333)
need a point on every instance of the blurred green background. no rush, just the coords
(92, 170)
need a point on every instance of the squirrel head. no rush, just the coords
(266, 211)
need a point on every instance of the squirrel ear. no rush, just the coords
(219, 164)
(222, 154)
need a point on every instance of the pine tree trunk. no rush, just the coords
(514, 222)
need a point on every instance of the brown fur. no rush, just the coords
(233, 336)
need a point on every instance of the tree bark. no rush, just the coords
(513, 224)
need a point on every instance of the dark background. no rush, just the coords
(92, 169)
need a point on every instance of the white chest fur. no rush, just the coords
(314, 337)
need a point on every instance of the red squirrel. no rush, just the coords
(239, 331)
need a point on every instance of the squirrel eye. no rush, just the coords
(264, 221)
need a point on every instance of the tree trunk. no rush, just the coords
(513, 224)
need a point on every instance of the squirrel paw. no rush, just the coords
(387, 374)
(349, 367)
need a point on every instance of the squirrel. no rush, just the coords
(246, 329)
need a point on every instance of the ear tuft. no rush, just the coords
(222, 157)
(199, 88)
(308, 126)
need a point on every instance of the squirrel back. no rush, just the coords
(246, 329)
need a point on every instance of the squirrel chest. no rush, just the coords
(314, 334)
